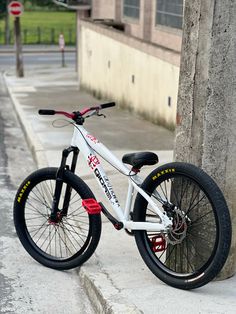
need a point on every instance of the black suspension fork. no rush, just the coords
(59, 182)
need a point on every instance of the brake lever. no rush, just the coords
(95, 113)
(101, 115)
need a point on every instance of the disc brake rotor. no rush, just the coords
(179, 227)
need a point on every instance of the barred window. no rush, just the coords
(131, 8)
(170, 13)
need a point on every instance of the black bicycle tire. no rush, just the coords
(220, 207)
(19, 207)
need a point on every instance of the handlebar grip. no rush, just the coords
(107, 105)
(48, 112)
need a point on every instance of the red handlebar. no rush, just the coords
(67, 114)
(73, 115)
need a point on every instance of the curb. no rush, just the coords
(101, 298)
(32, 139)
(105, 299)
(49, 50)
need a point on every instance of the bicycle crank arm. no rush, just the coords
(116, 223)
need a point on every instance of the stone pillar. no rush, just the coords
(206, 110)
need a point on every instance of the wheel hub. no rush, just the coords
(55, 220)
(179, 227)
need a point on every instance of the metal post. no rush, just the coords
(63, 58)
(7, 26)
(19, 56)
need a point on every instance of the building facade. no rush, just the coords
(129, 51)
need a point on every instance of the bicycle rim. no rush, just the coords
(189, 248)
(63, 240)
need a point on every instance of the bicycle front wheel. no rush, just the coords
(70, 241)
(195, 249)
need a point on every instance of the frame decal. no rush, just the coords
(93, 161)
(92, 138)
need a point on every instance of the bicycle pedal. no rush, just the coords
(91, 206)
(158, 243)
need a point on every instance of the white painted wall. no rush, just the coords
(107, 66)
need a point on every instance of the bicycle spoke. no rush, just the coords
(72, 203)
(159, 198)
(51, 239)
(34, 209)
(190, 209)
(36, 200)
(194, 246)
(82, 211)
(41, 233)
(32, 218)
(170, 253)
(165, 195)
(188, 261)
(73, 238)
(41, 194)
(73, 230)
(200, 237)
(75, 226)
(174, 191)
(79, 221)
(199, 218)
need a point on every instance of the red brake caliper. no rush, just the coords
(158, 243)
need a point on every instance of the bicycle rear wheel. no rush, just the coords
(195, 249)
(70, 241)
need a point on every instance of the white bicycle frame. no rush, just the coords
(88, 146)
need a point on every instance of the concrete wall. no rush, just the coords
(144, 28)
(103, 9)
(165, 36)
(134, 27)
(134, 73)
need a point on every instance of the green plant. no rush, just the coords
(44, 27)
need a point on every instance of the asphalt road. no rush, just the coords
(26, 286)
(37, 58)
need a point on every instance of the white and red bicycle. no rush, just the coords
(180, 219)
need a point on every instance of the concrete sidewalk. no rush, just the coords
(116, 278)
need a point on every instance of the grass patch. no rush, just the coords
(44, 27)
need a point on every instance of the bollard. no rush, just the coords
(62, 48)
